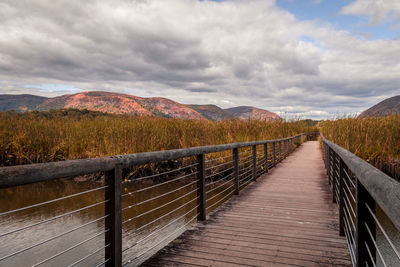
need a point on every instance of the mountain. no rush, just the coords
(383, 108)
(129, 104)
(20, 102)
(245, 112)
(212, 112)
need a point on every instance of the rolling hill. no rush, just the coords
(128, 104)
(383, 108)
(20, 102)
(245, 112)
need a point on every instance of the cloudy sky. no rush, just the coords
(309, 58)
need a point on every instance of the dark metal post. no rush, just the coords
(235, 153)
(274, 153)
(363, 220)
(254, 163)
(329, 165)
(266, 156)
(334, 177)
(201, 188)
(280, 151)
(284, 149)
(341, 197)
(113, 223)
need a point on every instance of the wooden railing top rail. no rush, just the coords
(384, 189)
(32, 173)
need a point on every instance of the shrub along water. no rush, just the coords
(375, 139)
(36, 137)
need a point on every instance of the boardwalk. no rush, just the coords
(286, 218)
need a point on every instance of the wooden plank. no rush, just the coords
(287, 218)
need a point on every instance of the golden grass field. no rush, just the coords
(36, 137)
(375, 139)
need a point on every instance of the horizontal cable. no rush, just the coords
(349, 191)
(161, 241)
(163, 183)
(350, 244)
(216, 195)
(159, 174)
(70, 248)
(53, 200)
(348, 176)
(383, 231)
(219, 201)
(163, 216)
(375, 245)
(349, 219)
(219, 186)
(246, 183)
(211, 160)
(244, 158)
(348, 201)
(245, 163)
(220, 172)
(370, 255)
(104, 262)
(158, 230)
(87, 256)
(350, 241)
(246, 177)
(159, 207)
(246, 169)
(260, 163)
(52, 238)
(156, 197)
(249, 173)
(219, 165)
(54, 218)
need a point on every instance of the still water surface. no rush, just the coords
(21, 196)
(167, 227)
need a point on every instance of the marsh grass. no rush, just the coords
(375, 139)
(36, 137)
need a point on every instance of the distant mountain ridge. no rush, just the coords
(246, 112)
(388, 106)
(129, 104)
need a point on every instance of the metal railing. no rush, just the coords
(369, 207)
(144, 202)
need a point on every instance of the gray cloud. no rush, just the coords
(225, 53)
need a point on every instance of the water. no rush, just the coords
(168, 227)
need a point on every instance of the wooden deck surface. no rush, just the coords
(286, 218)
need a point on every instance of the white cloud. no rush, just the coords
(377, 10)
(226, 53)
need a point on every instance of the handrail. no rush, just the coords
(196, 195)
(369, 189)
(32, 173)
(384, 189)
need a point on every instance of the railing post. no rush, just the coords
(284, 149)
(113, 223)
(329, 165)
(334, 177)
(235, 153)
(341, 197)
(274, 153)
(266, 156)
(363, 220)
(280, 150)
(201, 188)
(254, 163)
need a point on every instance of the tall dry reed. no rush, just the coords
(58, 135)
(375, 139)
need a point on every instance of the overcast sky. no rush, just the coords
(309, 58)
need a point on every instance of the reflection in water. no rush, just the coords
(168, 221)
